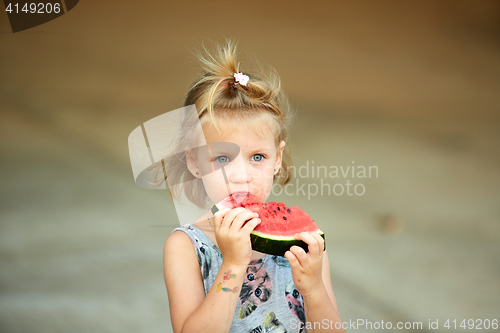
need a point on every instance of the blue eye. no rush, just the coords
(258, 292)
(222, 159)
(295, 293)
(250, 277)
(257, 157)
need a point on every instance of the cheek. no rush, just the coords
(263, 184)
(215, 186)
(265, 170)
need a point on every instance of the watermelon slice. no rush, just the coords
(275, 234)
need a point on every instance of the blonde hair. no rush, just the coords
(216, 95)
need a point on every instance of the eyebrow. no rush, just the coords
(260, 150)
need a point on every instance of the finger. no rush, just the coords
(316, 242)
(312, 243)
(242, 218)
(219, 216)
(300, 254)
(229, 217)
(250, 225)
(321, 241)
(292, 259)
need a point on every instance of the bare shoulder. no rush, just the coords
(175, 240)
(179, 251)
(182, 278)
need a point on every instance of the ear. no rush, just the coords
(192, 165)
(279, 157)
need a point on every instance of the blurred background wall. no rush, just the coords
(411, 87)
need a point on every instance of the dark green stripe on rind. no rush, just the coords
(277, 247)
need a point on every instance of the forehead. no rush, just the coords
(260, 126)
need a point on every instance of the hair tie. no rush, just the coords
(241, 78)
(238, 78)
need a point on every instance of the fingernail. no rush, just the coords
(256, 214)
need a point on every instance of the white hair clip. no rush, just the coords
(241, 78)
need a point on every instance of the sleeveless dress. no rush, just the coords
(268, 302)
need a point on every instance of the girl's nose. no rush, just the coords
(238, 172)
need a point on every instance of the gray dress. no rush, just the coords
(268, 302)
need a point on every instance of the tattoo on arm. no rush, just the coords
(227, 290)
(227, 276)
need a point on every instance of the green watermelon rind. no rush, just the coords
(277, 245)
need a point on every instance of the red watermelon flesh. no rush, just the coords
(275, 234)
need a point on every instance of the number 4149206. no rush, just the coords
(470, 324)
(34, 8)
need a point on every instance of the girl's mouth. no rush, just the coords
(241, 193)
(239, 196)
(231, 201)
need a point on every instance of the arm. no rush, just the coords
(190, 309)
(321, 307)
(311, 275)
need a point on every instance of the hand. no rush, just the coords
(232, 228)
(307, 267)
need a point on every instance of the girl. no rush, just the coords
(215, 282)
